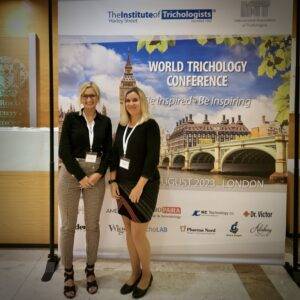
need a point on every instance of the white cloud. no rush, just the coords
(175, 90)
(148, 90)
(66, 102)
(79, 62)
(109, 85)
(90, 57)
(140, 68)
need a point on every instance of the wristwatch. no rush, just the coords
(111, 181)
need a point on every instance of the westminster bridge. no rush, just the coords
(252, 155)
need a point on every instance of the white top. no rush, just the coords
(126, 140)
(90, 126)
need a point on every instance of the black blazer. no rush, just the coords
(74, 142)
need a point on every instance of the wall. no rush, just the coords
(24, 199)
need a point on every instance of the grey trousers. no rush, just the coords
(68, 199)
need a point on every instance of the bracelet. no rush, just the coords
(111, 181)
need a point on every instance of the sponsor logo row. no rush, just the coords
(260, 230)
(176, 212)
(233, 230)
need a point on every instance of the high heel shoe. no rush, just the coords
(126, 288)
(91, 286)
(69, 291)
(139, 293)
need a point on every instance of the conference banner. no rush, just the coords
(220, 95)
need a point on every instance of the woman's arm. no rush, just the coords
(107, 148)
(65, 152)
(114, 161)
(114, 188)
(152, 149)
(151, 160)
(137, 191)
(115, 156)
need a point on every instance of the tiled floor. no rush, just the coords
(21, 271)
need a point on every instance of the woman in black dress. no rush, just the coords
(134, 181)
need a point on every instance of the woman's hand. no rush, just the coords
(136, 193)
(114, 189)
(93, 179)
(84, 183)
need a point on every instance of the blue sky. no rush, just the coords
(190, 50)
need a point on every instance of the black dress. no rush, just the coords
(143, 153)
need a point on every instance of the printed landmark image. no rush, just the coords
(222, 103)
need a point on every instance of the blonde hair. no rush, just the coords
(125, 117)
(86, 85)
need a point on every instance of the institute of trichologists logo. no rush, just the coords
(134, 16)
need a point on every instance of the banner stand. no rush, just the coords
(294, 270)
(53, 259)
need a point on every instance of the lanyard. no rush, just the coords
(90, 127)
(125, 140)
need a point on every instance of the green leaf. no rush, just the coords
(280, 65)
(141, 44)
(262, 50)
(271, 71)
(245, 40)
(266, 38)
(202, 40)
(270, 60)
(226, 41)
(282, 116)
(287, 56)
(282, 101)
(262, 68)
(219, 40)
(282, 91)
(286, 76)
(280, 53)
(149, 47)
(252, 40)
(232, 41)
(171, 43)
(162, 46)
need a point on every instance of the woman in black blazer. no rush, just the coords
(84, 148)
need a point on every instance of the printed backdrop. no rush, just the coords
(222, 103)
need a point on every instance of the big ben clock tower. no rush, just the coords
(127, 82)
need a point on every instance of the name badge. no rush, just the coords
(124, 163)
(91, 157)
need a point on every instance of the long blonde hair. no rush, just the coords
(86, 85)
(125, 117)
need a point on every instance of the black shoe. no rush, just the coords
(139, 293)
(69, 291)
(126, 288)
(89, 271)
